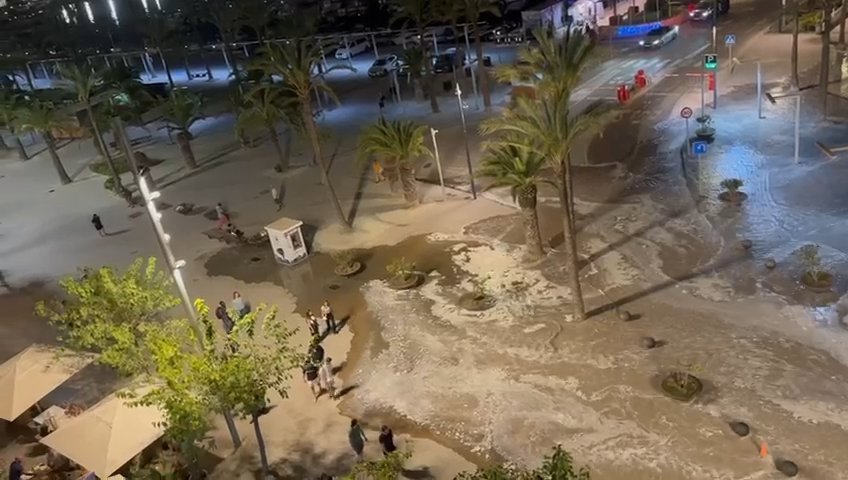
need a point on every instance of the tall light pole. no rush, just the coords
(433, 133)
(715, 50)
(458, 93)
(773, 99)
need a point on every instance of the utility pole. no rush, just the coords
(458, 93)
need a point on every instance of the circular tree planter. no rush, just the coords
(346, 270)
(411, 280)
(740, 428)
(476, 302)
(681, 386)
(817, 283)
(787, 467)
(733, 197)
(705, 133)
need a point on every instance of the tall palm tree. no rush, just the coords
(397, 144)
(419, 13)
(295, 63)
(85, 83)
(158, 31)
(520, 169)
(43, 118)
(227, 18)
(416, 60)
(548, 126)
(472, 10)
(182, 110)
(268, 105)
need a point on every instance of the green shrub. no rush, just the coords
(400, 268)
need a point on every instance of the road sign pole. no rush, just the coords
(687, 133)
(759, 91)
(715, 90)
(703, 75)
(797, 125)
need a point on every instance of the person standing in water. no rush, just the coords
(387, 440)
(98, 225)
(329, 318)
(356, 438)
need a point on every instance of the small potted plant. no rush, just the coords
(346, 263)
(731, 193)
(682, 384)
(403, 274)
(705, 130)
(478, 299)
(815, 277)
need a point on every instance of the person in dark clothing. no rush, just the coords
(387, 440)
(16, 469)
(356, 438)
(224, 316)
(316, 352)
(98, 225)
(310, 376)
(382, 104)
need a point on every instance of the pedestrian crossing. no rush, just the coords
(618, 72)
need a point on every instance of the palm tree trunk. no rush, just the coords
(260, 442)
(842, 15)
(19, 146)
(104, 149)
(54, 156)
(309, 121)
(795, 81)
(570, 241)
(185, 149)
(275, 140)
(527, 199)
(167, 68)
(429, 80)
(406, 175)
(29, 78)
(482, 74)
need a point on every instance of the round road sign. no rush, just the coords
(686, 112)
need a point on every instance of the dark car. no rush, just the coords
(449, 61)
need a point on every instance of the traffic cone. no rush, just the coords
(763, 450)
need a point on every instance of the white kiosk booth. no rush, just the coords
(287, 241)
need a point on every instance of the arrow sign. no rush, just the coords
(730, 39)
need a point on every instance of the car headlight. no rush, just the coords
(656, 42)
(641, 42)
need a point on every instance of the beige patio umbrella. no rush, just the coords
(30, 375)
(108, 435)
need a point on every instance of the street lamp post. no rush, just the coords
(433, 133)
(773, 99)
(471, 69)
(458, 93)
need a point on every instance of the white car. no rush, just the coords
(406, 38)
(383, 65)
(659, 37)
(353, 48)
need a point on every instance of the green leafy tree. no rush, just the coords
(520, 169)
(415, 59)
(418, 13)
(557, 466)
(239, 368)
(182, 110)
(548, 126)
(390, 467)
(268, 105)
(85, 83)
(105, 312)
(43, 118)
(397, 144)
(295, 63)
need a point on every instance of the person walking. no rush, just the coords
(240, 305)
(356, 437)
(312, 322)
(387, 440)
(275, 196)
(328, 380)
(16, 469)
(98, 225)
(382, 103)
(310, 376)
(316, 351)
(378, 171)
(224, 316)
(329, 318)
(223, 216)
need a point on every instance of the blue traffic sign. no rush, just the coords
(730, 39)
(699, 147)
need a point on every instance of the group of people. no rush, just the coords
(239, 306)
(356, 437)
(327, 316)
(225, 223)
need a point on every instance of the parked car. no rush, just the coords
(449, 60)
(405, 38)
(704, 9)
(659, 37)
(353, 48)
(383, 66)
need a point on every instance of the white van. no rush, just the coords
(354, 47)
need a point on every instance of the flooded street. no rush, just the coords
(508, 382)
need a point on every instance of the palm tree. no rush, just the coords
(158, 31)
(295, 63)
(473, 9)
(520, 169)
(267, 105)
(43, 118)
(419, 13)
(548, 126)
(397, 144)
(227, 18)
(85, 83)
(416, 60)
(10, 105)
(182, 110)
